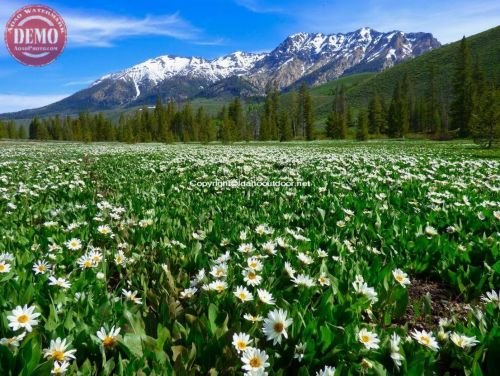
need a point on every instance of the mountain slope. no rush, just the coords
(485, 47)
(312, 57)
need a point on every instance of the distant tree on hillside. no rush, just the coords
(486, 118)
(463, 92)
(339, 116)
(362, 131)
(376, 116)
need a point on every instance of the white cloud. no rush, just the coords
(79, 82)
(14, 102)
(257, 6)
(104, 30)
(97, 29)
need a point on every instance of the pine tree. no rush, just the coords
(43, 131)
(394, 117)
(408, 104)
(486, 118)
(227, 126)
(269, 120)
(362, 131)
(376, 118)
(3, 130)
(11, 130)
(21, 133)
(398, 118)
(33, 129)
(336, 124)
(432, 106)
(285, 126)
(203, 124)
(308, 114)
(295, 113)
(236, 114)
(462, 106)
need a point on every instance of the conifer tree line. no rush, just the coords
(472, 111)
(10, 130)
(171, 123)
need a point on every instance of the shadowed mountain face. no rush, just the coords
(311, 57)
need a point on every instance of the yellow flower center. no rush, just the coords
(87, 264)
(278, 327)
(242, 296)
(365, 338)
(41, 268)
(255, 362)
(108, 341)
(58, 355)
(23, 319)
(2, 267)
(399, 278)
(241, 345)
(74, 244)
(252, 275)
(425, 340)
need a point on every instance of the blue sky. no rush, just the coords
(107, 36)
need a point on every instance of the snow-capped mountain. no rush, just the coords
(154, 71)
(311, 57)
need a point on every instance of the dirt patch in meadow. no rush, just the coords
(430, 301)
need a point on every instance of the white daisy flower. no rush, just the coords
(369, 339)
(86, 262)
(105, 230)
(23, 317)
(426, 339)
(327, 371)
(120, 258)
(254, 264)
(275, 325)
(59, 282)
(243, 294)
(58, 350)
(108, 339)
(41, 267)
(14, 341)
(251, 278)
(396, 357)
(74, 244)
(246, 248)
(265, 297)
(4, 267)
(59, 368)
(306, 259)
(401, 277)
(323, 280)
(188, 293)
(269, 248)
(131, 296)
(289, 270)
(303, 280)
(241, 342)
(463, 341)
(491, 297)
(218, 286)
(252, 318)
(254, 360)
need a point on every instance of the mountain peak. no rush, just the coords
(312, 57)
